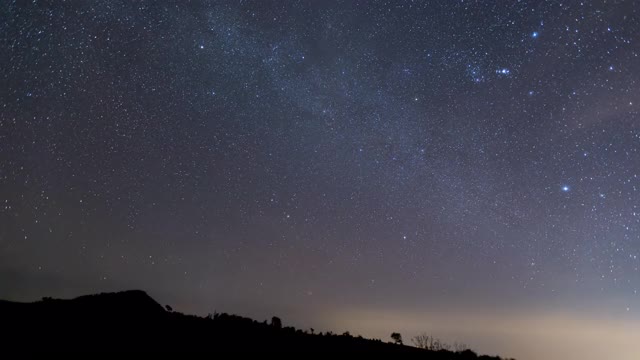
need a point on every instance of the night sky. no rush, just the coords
(465, 168)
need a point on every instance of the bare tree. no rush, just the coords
(460, 347)
(424, 341)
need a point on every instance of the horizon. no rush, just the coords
(351, 166)
(444, 326)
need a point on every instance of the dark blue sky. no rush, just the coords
(344, 165)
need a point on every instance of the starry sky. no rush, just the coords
(464, 168)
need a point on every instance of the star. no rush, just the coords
(565, 188)
(534, 34)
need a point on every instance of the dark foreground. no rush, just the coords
(131, 321)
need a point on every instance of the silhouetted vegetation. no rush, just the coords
(424, 341)
(397, 338)
(131, 321)
(276, 322)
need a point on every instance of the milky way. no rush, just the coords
(321, 159)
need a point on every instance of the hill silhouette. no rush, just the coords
(131, 321)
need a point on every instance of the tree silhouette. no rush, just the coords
(276, 322)
(422, 341)
(397, 338)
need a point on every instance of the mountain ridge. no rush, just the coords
(132, 321)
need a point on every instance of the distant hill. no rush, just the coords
(131, 321)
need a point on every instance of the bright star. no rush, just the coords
(534, 34)
(565, 188)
